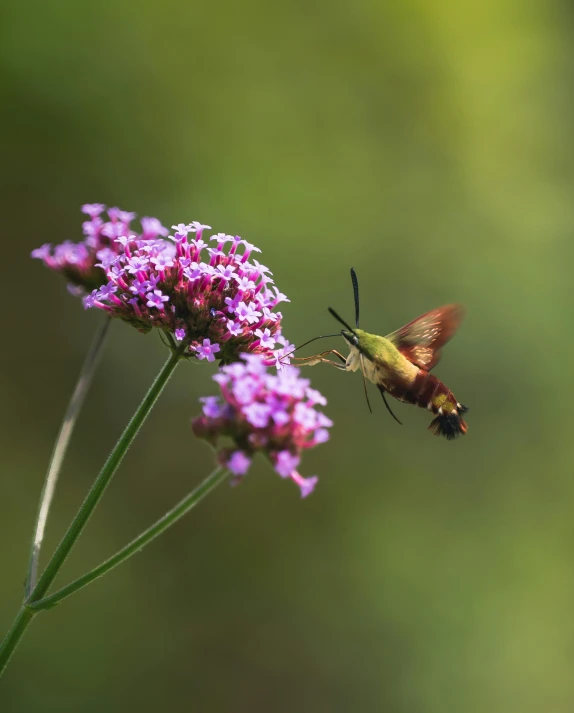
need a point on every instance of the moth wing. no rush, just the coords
(421, 340)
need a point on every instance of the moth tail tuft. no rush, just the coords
(451, 424)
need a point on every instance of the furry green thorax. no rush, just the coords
(371, 346)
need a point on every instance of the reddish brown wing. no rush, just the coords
(421, 340)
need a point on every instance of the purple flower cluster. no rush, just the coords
(273, 414)
(83, 264)
(212, 297)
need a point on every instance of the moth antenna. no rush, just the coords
(388, 407)
(340, 319)
(355, 294)
(323, 336)
(365, 383)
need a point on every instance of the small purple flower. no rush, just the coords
(106, 291)
(261, 268)
(90, 300)
(244, 283)
(147, 285)
(212, 406)
(156, 299)
(179, 334)
(215, 254)
(222, 238)
(207, 351)
(248, 250)
(140, 288)
(282, 356)
(254, 365)
(181, 228)
(262, 413)
(233, 302)
(124, 240)
(245, 388)
(75, 290)
(198, 244)
(288, 383)
(71, 253)
(197, 227)
(207, 270)
(315, 397)
(43, 252)
(162, 261)
(238, 463)
(114, 230)
(192, 272)
(226, 272)
(247, 312)
(92, 230)
(279, 296)
(281, 417)
(321, 435)
(136, 264)
(305, 416)
(286, 463)
(267, 339)
(234, 328)
(257, 414)
(323, 421)
(152, 227)
(125, 216)
(306, 485)
(106, 256)
(93, 209)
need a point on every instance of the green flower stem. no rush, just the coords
(12, 638)
(25, 615)
(158, 528)
(103, 479)
(60, 448)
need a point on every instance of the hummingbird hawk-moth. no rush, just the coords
(400, 363)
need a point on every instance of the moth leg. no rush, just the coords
(321, 358)
(382, 390)
(312, 361)
(339, 355)
(365, 384)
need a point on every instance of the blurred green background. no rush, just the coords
(429, 144)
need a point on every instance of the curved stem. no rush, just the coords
(103, 479)
(158, 528)
(60, 448)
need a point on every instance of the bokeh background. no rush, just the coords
(429, 144)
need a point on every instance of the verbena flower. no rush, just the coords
(84, 264)
(273, 414)
(208, 295)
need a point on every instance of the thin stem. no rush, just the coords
(103, 479)
(12, 639)
(158, 528)
(60, 448)
(26, 613)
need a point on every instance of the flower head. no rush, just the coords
(86, 264)
(210, 298)
(261, 412)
